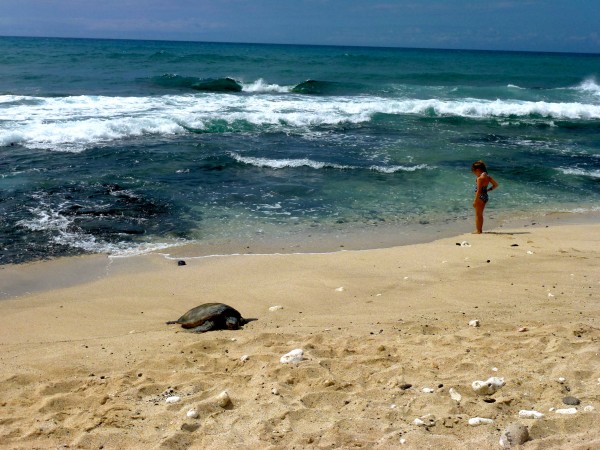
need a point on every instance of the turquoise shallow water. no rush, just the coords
(127, 146)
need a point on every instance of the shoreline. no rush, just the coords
(385, 335)
(37, 276)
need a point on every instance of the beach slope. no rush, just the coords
(385, 334)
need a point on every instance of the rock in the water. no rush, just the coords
(573, 401)
(181, 262)
(515, 434)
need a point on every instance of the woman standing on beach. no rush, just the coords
(481, 192)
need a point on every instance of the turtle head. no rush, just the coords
(232, 323)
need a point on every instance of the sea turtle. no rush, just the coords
(211, 316)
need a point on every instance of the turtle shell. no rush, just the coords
(208, 311)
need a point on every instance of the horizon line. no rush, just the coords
(307, 45)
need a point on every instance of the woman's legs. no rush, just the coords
(479, 206)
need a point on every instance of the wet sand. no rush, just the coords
(90, 363)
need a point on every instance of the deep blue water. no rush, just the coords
(125, 146)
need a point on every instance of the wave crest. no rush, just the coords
(305, 162)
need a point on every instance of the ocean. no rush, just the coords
(125, 147)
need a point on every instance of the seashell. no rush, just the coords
(454, 395)
(488, 387)
(566, 411)
(275, 391)
(192, 414)
(476, 421)
(589, 408)
(275, 308)
(294, 357)
(561, 380)
(173, 399)
(529, 252)
(465, 244)
(402, 441)
(244, 358)
(419, 422)
(428, 390)
(223, 399)
(340, 289)
(527, 414)
(474, 323)
(514, 434)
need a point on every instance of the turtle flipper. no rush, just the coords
(206, 326)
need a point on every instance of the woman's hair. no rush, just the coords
(479, 165)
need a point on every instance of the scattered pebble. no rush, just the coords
(189, 427)
(181, 263)
(428, 390)
(425, 421)
(474, 323)
(402, 441)
(223, 399)
(529, 252)
(275, 391)
(550, 295)
(192, 414)
(454, 395)
(393, 406)
(173, 399)
(566, 411)
(476, 421)
(405, 386)
(275, 308)
(513, 435)
(244, 358)
(561, 380)
(523, 329)
(488, 387)
(589, 408)
(293, 357)
(571, 401)
(340, 289)
(530, 414)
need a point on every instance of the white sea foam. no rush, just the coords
(78, 123)
(590, 85)
(47, 219)
(260, 86)
(579, 172)
(305, 162)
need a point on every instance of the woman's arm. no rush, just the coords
(494, 184)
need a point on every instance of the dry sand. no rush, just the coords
(91, 365)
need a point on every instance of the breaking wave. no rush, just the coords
(81, 122)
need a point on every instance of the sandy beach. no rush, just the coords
(387, 336)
